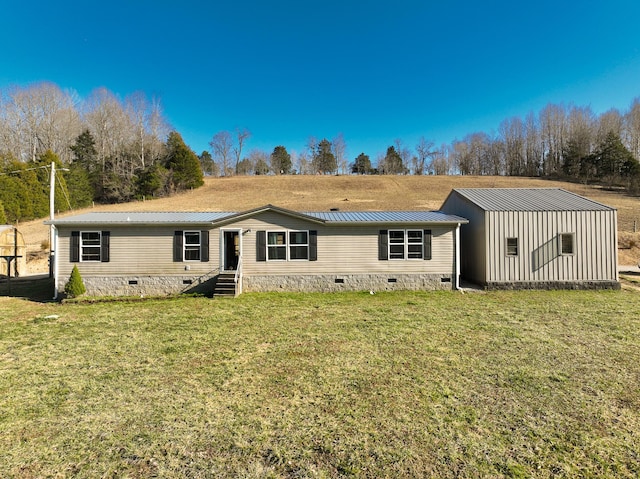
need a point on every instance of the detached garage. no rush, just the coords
(535, 238)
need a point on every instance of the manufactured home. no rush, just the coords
(263, 249)
(535, 238)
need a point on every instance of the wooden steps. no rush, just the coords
(225, 285)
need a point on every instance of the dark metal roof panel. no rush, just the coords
(529, 199)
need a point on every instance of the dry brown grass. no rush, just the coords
(349, 193)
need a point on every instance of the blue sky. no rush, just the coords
(373, 71)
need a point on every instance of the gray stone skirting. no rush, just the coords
(147, 285)
(549, 285)
(166, 285)
(347, 282)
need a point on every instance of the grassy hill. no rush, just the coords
(353, 193)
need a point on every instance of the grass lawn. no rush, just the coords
(438, 384)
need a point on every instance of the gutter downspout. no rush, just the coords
(457, 246)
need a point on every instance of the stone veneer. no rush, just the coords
(166, 285)
(147, 285)
(346, 282)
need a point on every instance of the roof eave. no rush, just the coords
(417, 223)
(128, 223)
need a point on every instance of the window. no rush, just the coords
(90, 245)
(396, 244)
(298, 245)
(414, 244)
(407, 244)
(566, 243)
(191, 246)
(277, 246)
(286, 246)
(512, 246)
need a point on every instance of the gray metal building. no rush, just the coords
(535, 238)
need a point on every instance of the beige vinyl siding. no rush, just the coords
(341, 249)
(539, 257)
(148, 250)
(136, 250)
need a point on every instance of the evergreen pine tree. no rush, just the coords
(324, 160)
(75, 286)
(183, 163)
(280, 161)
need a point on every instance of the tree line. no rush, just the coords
(106, 150)
(560, 141)
(112, 150)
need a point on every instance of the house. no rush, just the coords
(263, 249)
(535, 238)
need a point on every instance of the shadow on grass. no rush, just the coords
(38, 289)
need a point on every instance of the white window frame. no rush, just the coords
(287, 244)
(414, 243)
(517, 247)
(406, 254)
(277, 246)
(82, 254)
(297, 245)
(191, 246)
(573, 244)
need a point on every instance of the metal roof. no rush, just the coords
(145, 218)
(529, 199)
(379, 217)
(331, 217)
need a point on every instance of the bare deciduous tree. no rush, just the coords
(610, 121)
(552, 131)
(221, 148)
(632, 128)
(441, 161)
(242, 135)
(38, 118)
(513, 138)
(340, 151)
(425, 151)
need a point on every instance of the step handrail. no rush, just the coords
(237, 278)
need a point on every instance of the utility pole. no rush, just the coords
(52, 246)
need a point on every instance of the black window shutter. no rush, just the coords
(204, 246)
(74, 254)
(383, 245)
(427, 244)
(313, 245)
(177, 246)
(105, 242)
(261, 246)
